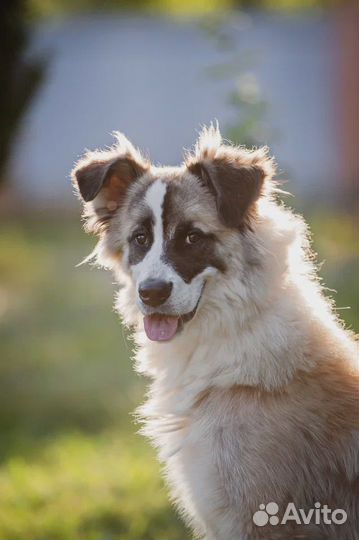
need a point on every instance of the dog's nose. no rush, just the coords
(154, 292)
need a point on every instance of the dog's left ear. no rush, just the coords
(234, 175)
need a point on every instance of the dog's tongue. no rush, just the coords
(160, 327)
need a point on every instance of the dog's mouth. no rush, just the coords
(161, 327)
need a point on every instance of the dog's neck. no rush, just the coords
(218, 349)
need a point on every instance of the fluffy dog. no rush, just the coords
(254, 392)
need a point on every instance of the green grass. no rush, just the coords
(84, 486)
(71, 464)
(335, 238)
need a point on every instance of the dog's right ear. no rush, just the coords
(102, 178)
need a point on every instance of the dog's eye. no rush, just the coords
(141, 238)
(194, 236)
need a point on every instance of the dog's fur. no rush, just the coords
(255, 399)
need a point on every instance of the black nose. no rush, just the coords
(154, 292)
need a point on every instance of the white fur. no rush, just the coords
(152, 265)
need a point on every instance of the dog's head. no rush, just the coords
(170, 231)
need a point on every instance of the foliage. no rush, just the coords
(71, 465)
(19, 76)
(45, 8)
(249, 109)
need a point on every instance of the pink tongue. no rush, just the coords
(160, 327)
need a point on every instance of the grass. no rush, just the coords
(71, 464)
(335, 239)
(77, 485)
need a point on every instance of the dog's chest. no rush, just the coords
(188, 453)
(191, 446)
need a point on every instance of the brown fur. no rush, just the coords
(290, 437)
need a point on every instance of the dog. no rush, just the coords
(253, 402)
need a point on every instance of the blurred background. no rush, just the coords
(276, 72)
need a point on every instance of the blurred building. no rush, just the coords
(148, 78)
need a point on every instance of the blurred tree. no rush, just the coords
(249, 125)
(45, 8)
(19, 76)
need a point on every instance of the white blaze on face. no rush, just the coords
(151, 265)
